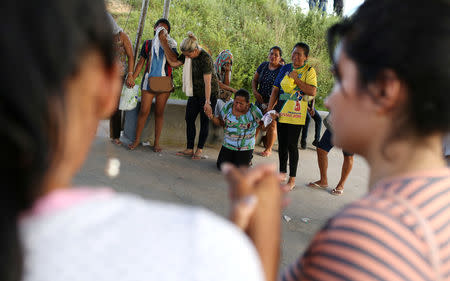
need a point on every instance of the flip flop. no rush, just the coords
(292, 187)
(316, 186)
(182, 153)
(116, 141)
(199, 157)
(337, 192)
(130, 146)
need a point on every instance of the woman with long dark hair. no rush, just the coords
(50, 108)
(390, 105)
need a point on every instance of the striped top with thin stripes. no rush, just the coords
(399, 231)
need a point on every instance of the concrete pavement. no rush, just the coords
(167, 177)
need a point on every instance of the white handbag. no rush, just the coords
(129, 98)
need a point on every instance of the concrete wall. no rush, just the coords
(174, 130)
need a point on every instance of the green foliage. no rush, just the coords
(249, 28)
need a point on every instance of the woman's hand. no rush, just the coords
(258, 97)
(243, 190)
(163, 36)
(260, 217)
(293, 74)
(207, 109)
(275, 115)
(227, 67)
(130, 81)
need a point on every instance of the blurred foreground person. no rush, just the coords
(392, 107)
(50, 109)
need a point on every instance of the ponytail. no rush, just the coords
(11, 259)
(189, 43)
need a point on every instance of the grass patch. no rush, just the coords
(249, 28)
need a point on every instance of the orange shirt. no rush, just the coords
(399, 231)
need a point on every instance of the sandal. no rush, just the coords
(132, 146)
(117, 141)
(316, 185)
(184, 153)
(198, 157)
(337, 192)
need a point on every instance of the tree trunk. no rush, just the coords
(140, 28)
(166, 9)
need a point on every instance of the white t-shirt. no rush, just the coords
(219, 105)
(124, 237)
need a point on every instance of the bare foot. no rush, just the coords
(116, 141)
(186, 152)
(266, 153)
(133, 145)
(157, 148)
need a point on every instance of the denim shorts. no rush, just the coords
(325, 143)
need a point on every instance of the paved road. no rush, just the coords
(167, 177)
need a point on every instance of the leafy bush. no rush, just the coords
(249, 28)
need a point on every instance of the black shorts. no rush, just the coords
(235, 157)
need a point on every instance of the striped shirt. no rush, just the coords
(399, 231)
(239, 132)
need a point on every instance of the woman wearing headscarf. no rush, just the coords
(224, 68)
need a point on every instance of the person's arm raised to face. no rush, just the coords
(170, 55)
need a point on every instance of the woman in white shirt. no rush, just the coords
(52, 232)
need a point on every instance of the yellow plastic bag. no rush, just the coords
(294, 111)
